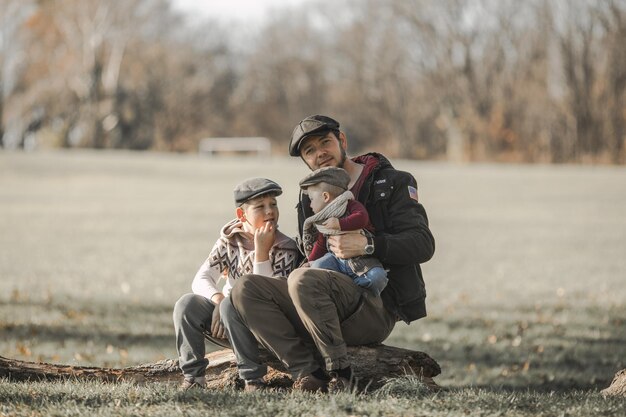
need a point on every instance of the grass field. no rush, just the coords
(526, 292)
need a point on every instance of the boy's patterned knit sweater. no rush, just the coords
(233, 256)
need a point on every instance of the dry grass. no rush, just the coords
(526, 290)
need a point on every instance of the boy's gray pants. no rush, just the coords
(192, 316)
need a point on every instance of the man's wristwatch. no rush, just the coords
(369, 247)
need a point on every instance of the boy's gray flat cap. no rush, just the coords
(330, 175)
(255, 187)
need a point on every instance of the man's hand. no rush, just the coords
(332, 223)
(264, 238)
(347, 245)
(217, 328)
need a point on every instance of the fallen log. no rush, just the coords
(618, 386)
(372, 364)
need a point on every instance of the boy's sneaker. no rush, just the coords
(198, 382)
(252, 385)
(310, 383)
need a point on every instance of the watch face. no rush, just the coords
(369, 249)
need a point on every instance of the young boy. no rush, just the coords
(249, 244)
(336, 211)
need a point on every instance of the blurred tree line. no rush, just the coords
(538, 81)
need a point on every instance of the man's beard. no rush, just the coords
(341, 164)
(342, 161)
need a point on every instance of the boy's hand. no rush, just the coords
(217, 328)
(264, 238)
(332, 223)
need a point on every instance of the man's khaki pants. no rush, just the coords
(318, 305)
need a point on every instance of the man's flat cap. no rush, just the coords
(255, 187)
(316, 125)
(330, 175)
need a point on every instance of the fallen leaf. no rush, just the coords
(23, 349)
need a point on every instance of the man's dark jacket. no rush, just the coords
(402, 239)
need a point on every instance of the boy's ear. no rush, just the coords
(326, 196)
(240, 214)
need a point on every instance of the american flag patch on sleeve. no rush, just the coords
(413, 193)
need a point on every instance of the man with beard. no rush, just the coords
(320, 312)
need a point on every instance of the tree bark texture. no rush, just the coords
(618, 386)
(371, 364)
